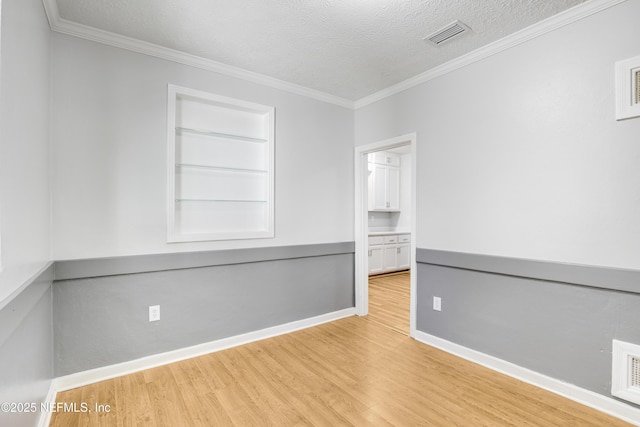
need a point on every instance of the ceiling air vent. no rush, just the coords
(452, 30)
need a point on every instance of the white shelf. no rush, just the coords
(220, 165)
(220, 168)
(221, 201)
(180, 130)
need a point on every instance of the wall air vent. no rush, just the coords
(625, 381)
(637, 84)
(628, 88)
(447, 33)
(635, 372)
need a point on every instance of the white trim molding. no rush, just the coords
(70, 28)
(567, 17)
(552, 23)
(361, 223)
(91, 376)
(84, 378)
(45, 416)
(577, 394)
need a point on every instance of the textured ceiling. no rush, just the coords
(347, 48)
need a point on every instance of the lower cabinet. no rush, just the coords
(404, 257)
(389, 258)
(375, 260)
(389, 253)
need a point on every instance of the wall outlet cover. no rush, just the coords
(154, 313)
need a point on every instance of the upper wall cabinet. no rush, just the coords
(384, 182)
(220, 167)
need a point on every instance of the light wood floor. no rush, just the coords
(355, 371)
(389, 301)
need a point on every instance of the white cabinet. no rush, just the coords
(404, 257)
(377, 187)
(376, 254)
(404, 251)
(384, 182)
(375, 260)
(389, 253)
(390, 258)
(384, 158)
(393, 188)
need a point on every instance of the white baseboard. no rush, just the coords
(45, 416)
(583, 396)
(80, 379)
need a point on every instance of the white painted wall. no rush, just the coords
(109, 155)
(520, 154)
(24, 143)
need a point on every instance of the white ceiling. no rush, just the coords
(346, 48)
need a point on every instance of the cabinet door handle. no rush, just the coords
(369, 252)
(398, 250)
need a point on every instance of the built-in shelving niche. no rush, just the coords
(220, 167)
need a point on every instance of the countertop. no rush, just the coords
(387, 233)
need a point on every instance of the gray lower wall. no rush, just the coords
(560, 329)
(103, 320)
(26, 349)
(510, 309)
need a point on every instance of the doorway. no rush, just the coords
(406, 145)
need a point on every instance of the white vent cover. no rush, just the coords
(634, 379)
(637, 83)
(628, 88)
(452, 30)
(625, 380)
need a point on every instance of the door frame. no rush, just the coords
(362, 222)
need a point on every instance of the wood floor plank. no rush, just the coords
(389, 297)
(132, 402)
(358, 371)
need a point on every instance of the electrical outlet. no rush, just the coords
(154, 313)
(437, 303)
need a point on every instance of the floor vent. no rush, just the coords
(635, 372)
(452, 30)
(625, 380)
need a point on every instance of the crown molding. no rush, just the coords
(562, 19)
(64, 26)
(552, 23)
(52, 12)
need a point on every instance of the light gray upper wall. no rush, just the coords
(109, 155)
(24, 144)
(520, 154)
